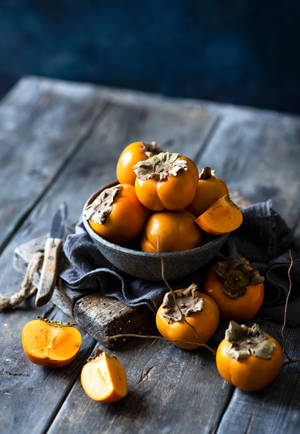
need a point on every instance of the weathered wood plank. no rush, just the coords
(258, 156)
(170, 390)
(41, 125)
(274, 409)
(92, 167)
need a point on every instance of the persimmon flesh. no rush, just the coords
(49, 343)
(103, 379)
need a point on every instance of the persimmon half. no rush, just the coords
(222, 217)
(237, 289)
(50, 343)
(209, 189)
(170, 231)
(132, 154)
(166, 181)
(103, 378)
(248, 357)
(116, 214)
(199, 310)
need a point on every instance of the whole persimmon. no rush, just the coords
(192, 323)
(116, 214)
(170, 231)
(132, 154)
(237, 289)
(248, 358)
(166, 181)
(209, 189)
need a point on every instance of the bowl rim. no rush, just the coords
(134, 252)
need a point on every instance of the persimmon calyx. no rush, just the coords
(177, 305)
(151, 149)
(247, 341)
(207, 173)
(56, 323)
(101, 207)
(160, 166)
(99, 353)
(237, 275)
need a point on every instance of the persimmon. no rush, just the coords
(50, 343)
(170, 231)
(166, 181)
(221, 217)
(132, 154)
(237, 289)
(103, 378)
(116, 214)
(209, 189)
(248, 358)
(198, 309)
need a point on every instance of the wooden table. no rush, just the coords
(59, 142)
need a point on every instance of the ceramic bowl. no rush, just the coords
(148, 265)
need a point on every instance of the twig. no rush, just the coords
(289, 359)
(286, 306)
(133, 335)
(197, 337)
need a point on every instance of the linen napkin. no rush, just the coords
(264, 239)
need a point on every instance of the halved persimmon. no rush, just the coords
(103, 378)
(221, 217)
(50, 343)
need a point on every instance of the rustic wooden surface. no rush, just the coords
(60, 142)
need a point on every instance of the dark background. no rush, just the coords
(237, 51)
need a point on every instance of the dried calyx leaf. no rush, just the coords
(56, 323)
(207, 173)
(237, 275)
(151, 149)
(160, 166)
(101, 207)
(189, 301)
(248, 341)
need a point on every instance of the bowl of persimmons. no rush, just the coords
(161, 209)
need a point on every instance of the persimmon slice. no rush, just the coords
(50, 343)
(103, 378)
(220, 218)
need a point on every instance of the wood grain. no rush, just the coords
(170, 390)
(41, 126)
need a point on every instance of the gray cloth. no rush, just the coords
(263, 238)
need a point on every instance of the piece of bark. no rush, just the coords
(99, 316)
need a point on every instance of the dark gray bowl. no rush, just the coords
(148, 265)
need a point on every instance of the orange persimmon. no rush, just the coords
(132, 154)
(103, 378)
(171, 231)
(248, 358)
(116, 214)
(209, 189)
(221, 217)
(50, 343)
(237, 289)
(201, 312)
(166, 181)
